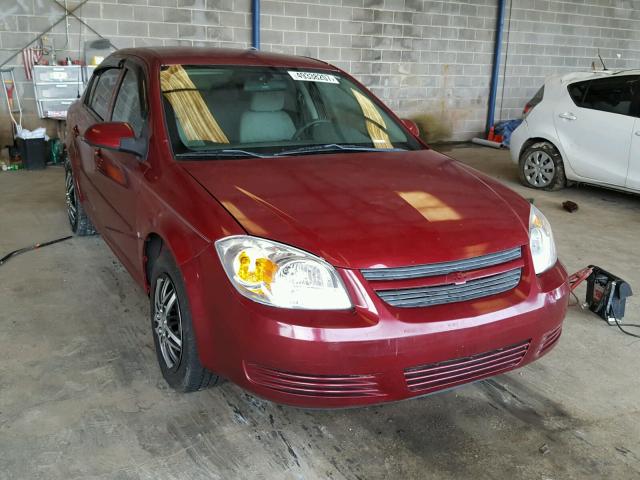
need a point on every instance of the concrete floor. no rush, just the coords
(81, 395)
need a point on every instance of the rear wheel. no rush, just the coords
(541, 167)
(78, 219)
(172, 328)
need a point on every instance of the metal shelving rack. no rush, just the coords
(56, 87)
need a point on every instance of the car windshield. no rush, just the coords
(231, 111)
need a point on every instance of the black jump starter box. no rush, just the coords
(607, 294)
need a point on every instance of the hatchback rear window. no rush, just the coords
(535, 100)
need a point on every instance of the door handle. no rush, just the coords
(568, 116)
(637, 132)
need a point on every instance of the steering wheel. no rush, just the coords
(307, 126)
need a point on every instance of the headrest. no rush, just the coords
(267, 101)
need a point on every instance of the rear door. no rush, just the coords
(594, 125)
(119, 173)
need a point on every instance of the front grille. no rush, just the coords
(326, 386)
(436, 376)
(442, 268)
(449, 293)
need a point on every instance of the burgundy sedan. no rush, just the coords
(299, 239)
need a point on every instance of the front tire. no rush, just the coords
(78, 219)
(541, 167)
(172, 328)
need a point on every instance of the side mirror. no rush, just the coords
(118, 136)
(411, 126)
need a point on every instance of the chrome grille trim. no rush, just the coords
(443, 268)
(550, 339)
(436, 376)
(450, 293)
(328, 386)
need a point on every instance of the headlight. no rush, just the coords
(282, 276)
(543, 248)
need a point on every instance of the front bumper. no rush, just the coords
(369, 354)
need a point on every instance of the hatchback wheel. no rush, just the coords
(78, 219)
(172, 328)
(541, 167)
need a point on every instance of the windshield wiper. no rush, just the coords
(224, 153)
(238, 153)
(332, 147)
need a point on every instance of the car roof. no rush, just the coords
(221, 56)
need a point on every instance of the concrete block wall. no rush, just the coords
(420, 56)
(553, 37)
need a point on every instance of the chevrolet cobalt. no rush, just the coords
(299, 239)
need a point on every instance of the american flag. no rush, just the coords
(30, 57)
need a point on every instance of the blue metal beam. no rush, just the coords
(255, 36)
(495, 74)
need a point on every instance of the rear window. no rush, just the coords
(535, 100)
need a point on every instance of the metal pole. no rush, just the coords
(255, 37)
(495, 74)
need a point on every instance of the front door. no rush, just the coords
(96, 108)
(594, 125)
(119, 173)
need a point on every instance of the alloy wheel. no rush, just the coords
(167, 321)
(539, 169)
(72, 204)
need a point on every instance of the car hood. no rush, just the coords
(364, 210)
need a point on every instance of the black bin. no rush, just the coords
(33, 152)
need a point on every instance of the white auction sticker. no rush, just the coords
(314, 77)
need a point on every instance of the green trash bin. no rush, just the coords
(55, 151)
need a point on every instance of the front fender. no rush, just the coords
(184, 215)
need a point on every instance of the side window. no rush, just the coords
(91, 86)
(102, 91)
(611, 95)
(128, 106)
(577, 92)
